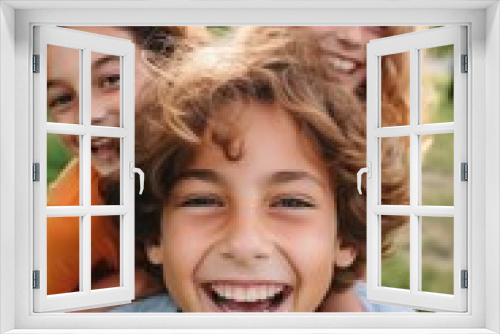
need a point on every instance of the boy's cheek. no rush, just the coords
(183, 250)
(178, 279)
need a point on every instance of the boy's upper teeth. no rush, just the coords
(343, 64)
(247, 293)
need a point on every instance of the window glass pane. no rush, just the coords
(63, 254)
(395, 252)
(105, 252)
(395, 171)
(437, 169)
(105, 81)
(395, 74)
(106, 157)
(437, 84)
(437, 254)
(63, 85)
(63, 170)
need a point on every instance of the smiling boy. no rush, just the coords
(256, 234)
(250, 203)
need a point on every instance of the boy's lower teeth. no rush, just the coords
(257, 306)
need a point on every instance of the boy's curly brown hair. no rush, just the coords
(183, 103)
(164, 40)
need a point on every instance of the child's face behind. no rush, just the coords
(63, 94)
(344, 49)
(253, 235)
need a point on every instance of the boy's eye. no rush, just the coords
(292, 202)
(61, 100)
(201, 201)
(110, 81)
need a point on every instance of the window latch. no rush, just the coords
(368, 171)
(133, 170)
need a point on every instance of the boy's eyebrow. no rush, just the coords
(293, 175)
(95, 65)
(275, 178)
(54, 82)
(200, 174)
(103, 61)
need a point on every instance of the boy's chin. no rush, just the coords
(282, 302)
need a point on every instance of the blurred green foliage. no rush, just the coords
(221, 31)
(57, 157)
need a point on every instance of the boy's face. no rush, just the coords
(253, 235)
(63, 94)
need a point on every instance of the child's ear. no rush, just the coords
(155, 254)
(344, 257)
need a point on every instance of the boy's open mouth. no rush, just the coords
(106, 153)
(247, 297)
(343, 65)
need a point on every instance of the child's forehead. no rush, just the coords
(242, 114)
(62, 62)
(248, 127)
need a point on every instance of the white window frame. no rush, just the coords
(483, 21)
(85, 43)
(414, 43)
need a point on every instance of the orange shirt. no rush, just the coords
(63, 234)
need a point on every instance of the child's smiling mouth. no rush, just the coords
(106, 154)
(247, 297)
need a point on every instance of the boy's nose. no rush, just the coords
(246, 240)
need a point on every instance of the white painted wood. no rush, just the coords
(373, 258)
(127, 222)
(96, 210)
(87, 43)
(85, 180)
(413, 43)
(420, 210)
(490, 160)
(414, 173)
(244, 4)
(259, 331)
(7, 167)
(426, 129)
(94, 131)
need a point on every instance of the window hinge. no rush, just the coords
(36, 172)
(465, 279)
(36, 63)
(36, 279)
(464, 171)
(465, 64)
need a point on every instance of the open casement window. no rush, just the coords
(410, 143)
(84, 132)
